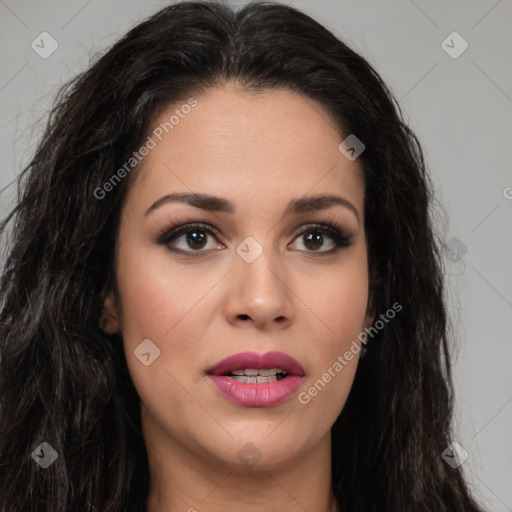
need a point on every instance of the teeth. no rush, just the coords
(273, 371)
(250, 379)
(251, 372)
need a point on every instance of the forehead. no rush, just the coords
(252, 148)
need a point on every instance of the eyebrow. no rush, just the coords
(218, 204)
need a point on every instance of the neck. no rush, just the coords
(186, 480)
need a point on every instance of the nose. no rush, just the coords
(260, 294)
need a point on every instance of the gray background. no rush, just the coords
(461, 109)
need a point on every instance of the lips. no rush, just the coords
(256, 361)
(257, 388)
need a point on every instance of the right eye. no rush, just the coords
(192, 237)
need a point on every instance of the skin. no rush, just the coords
(258, 151)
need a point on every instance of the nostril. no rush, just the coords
(244, 317)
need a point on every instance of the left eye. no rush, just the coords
(313, 238)
(195, 237)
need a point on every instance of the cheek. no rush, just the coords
(337, 351)
(160, 306)
(170, 305)
(340, 302)
(156, 295)
(337, 299)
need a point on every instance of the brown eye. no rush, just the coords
(189, 238)
(314, 239)
(196, 239)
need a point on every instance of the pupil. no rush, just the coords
(315, 239)
(195, 237)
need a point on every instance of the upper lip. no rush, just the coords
(257, 361)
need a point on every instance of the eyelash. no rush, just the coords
(336, 233)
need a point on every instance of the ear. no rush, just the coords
(109, 318)
(369, 318)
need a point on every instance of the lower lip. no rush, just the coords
(264, 394)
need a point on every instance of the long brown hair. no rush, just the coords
(65, 382)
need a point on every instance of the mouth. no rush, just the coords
(254, 368)
(257, 380)
(254, 376)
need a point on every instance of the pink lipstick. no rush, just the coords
(257, 380)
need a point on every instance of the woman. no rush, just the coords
(223, 287)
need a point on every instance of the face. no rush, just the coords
(262, 269)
